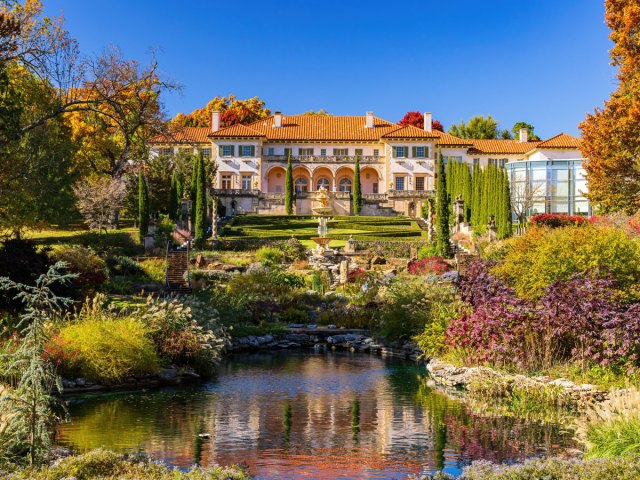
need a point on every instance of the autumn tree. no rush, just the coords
(611, 135)
(232, 111)
(417, 120)
(478, 127)
(98, 199)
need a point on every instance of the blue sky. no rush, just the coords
(542, 61)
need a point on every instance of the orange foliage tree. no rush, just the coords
(232, 111)
(611, 135)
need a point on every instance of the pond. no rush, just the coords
(306, 415)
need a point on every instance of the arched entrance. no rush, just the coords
(301, 179)
(275, 180)
(344, 179)
(322, 177)
(369, 180)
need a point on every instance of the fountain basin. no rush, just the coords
(322, 241)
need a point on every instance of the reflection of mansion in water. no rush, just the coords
(397, 163)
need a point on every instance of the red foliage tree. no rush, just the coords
(417, 120)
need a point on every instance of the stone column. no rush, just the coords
(344, 272)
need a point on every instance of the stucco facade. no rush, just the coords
(397, 163)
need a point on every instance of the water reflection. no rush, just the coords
(304, 415)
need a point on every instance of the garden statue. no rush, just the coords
(492, 230)
(350, 246)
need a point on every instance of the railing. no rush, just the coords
(236, 192)
(364, 159)
(374, 197)
(411, 193)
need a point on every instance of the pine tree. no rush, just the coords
(288, 188)
(27, 430)
(356, 195)
(143, 205)
(443, 248)
(201, 205)
(173, 198)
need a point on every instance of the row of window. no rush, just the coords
(245, 181)
(410, 152)
(249, 151)
(309, 152)
(169, 151)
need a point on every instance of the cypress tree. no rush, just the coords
(193, 189)
(173, 198)
(201, 205)
(288, 188)
(356, 195)
(143, 205)
(475, 194)
(443, 248)
(467, 193)
(505, 229)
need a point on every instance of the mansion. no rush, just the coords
(397, 163)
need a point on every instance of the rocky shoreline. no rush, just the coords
(171, 375)
(448, 375)
(174, 375)
(341, 342)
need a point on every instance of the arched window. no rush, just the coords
(301, 184)
(322, 182)
(345, 184)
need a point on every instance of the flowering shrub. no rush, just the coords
(541, 256)
(356, 275)
(555, 220)
(577, 319)
(64, 356)
(428, 265)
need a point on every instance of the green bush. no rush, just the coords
(270, 256)
(109, 347)
(164, 229)
(541, 256)
(119, 265)
(427, 251)
(408, 305)
(432, 339)
(90, 268)
(293, 249)
(108, 465)
(184, 333)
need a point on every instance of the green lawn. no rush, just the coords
(282, 227)
(123, 241)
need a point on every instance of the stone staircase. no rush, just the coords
(422, 223)
(177, 267)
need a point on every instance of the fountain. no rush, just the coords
(322, 212)
(322, 257)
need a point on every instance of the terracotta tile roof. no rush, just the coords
(446, 139)
(317, 128)
(409, 131)
(184, 135)
(506, 147)
(562, 140)
(236, 130)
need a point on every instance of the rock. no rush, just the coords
(563, 382)
(298, 337)
(168, 374)
(331, 326)
(68, 383)
(204, 435)
(190, 374)
(80, 382)
(378, 260)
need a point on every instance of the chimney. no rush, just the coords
(524, 135)
(428, 122)
(369, 121)
(277, 120)
(215, 121)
